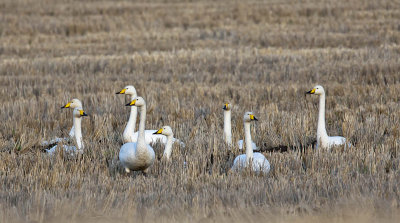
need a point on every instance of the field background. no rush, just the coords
(187, 58)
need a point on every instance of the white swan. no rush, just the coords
(77, 120)
(167, 131)
(137, 155)
(75, 103)
(228, 129)
(258, 162)
(323, 139)
(129, 134)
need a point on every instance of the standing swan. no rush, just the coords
(77, 119)
(129, 134)
(323, 139)
(137, 155)
(228, 128)
(167, 131)
(258, 162)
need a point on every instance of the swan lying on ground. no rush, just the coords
(228, 129)
(137, 155)
(78, 113)
(257, 161)
(75, 103)
(129, 134)
(323, 140)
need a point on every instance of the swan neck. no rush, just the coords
(78, 132)
(247, 138)
(141, 137)
(168, 147)
(321, 130)
(227, 127)
(130, 126)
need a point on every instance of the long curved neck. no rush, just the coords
(168, 147)
(321, 130)
(227, 127)
(130, 126)
(247, 138)
(141, 137)
(78, 132)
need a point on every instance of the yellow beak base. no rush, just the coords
(158, 132)
(67, 105)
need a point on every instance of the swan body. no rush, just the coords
(259, 163)
(131, 158)
(228, 129)
(129, 134)
(323, 140)
(78, 113)
(75, 103)
(137, 155)
(256, 161)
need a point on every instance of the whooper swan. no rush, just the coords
(167, 131)
(228, 128)
(77, 119)
(323, 139)
(137, 155)
(129, 134)
(258, 162)
(75, 103)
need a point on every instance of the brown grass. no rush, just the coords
(186, 59)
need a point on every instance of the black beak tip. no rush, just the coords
(129, 104)
(155, 133)
(84, 114)
(63, 107)
(117, 93)
(255, 119)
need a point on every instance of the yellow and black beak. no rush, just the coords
(82, 113)
(158, 132)
(122, 91)
(67, 105)
(311, 92)
(252, 117)
(225, 106)
(132, 103)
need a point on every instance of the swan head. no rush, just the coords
(249, 116)
(318, 90)
(74, 103)
(79, 112)
(165, 130)
(138, 102)
(227, 106)
(129, 90)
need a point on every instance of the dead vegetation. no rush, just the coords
(187, 59)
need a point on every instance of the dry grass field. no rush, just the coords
(187, 58)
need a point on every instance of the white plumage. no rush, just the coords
(256, 161)
(137, 155)
(323, 140)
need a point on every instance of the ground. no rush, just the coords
(188, 58)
